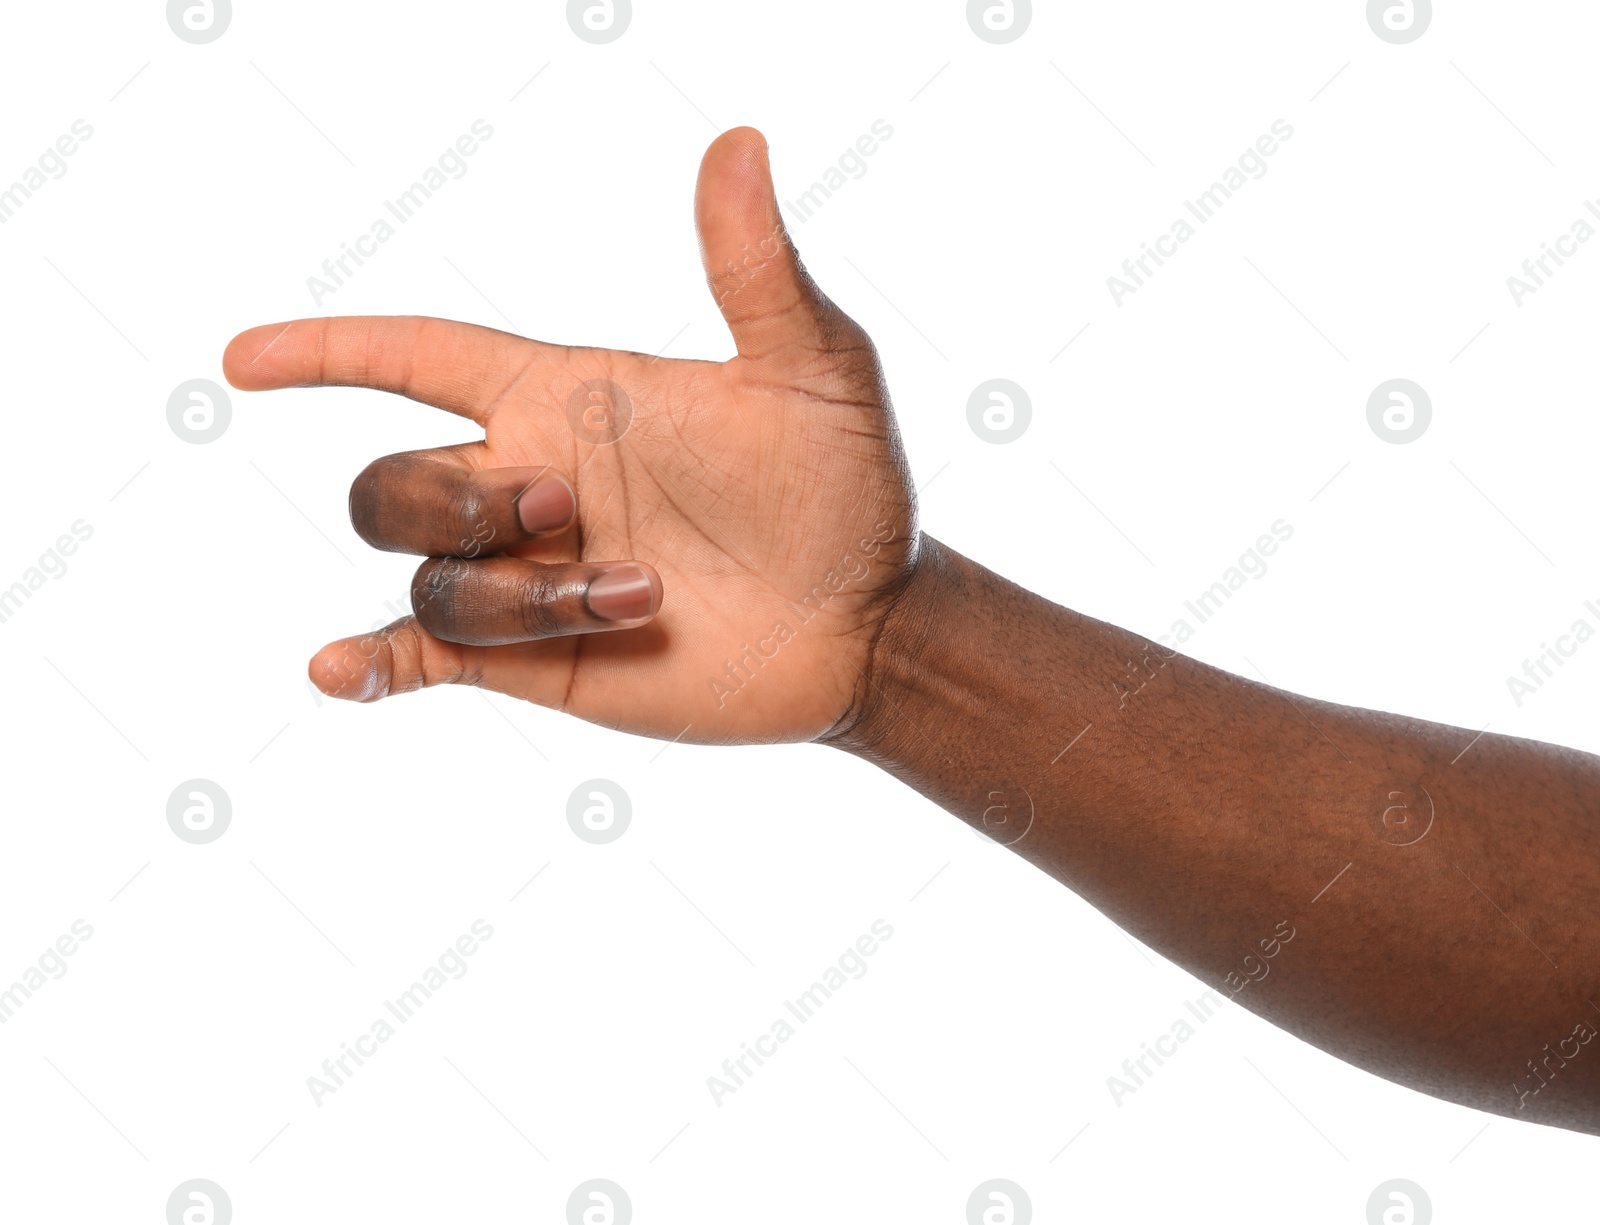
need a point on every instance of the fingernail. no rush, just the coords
(546, 505)
(622, 593)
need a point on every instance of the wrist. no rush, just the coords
(963, 687)
(975, 690)
(897, 654)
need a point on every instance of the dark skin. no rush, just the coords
(743, 563)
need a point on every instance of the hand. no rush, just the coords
(672, 548)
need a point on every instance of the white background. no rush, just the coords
(1223, 396)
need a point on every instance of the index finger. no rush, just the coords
(459, 367)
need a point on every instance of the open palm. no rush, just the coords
(676, 548)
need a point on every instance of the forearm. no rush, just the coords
(1457, 949)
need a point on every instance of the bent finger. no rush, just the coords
(434, 503)
(502, 600)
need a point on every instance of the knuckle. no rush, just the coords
(466, 511)
(411, 503)
(428, 663)
(535, 603)
(475, 519)
(405, 658)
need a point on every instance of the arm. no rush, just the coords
(1456, 949)
(728, 552)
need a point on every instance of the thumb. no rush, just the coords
(769, 300)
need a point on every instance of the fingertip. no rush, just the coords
(735, 176)
(242, 360)
(350, 670)
(744, 141)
